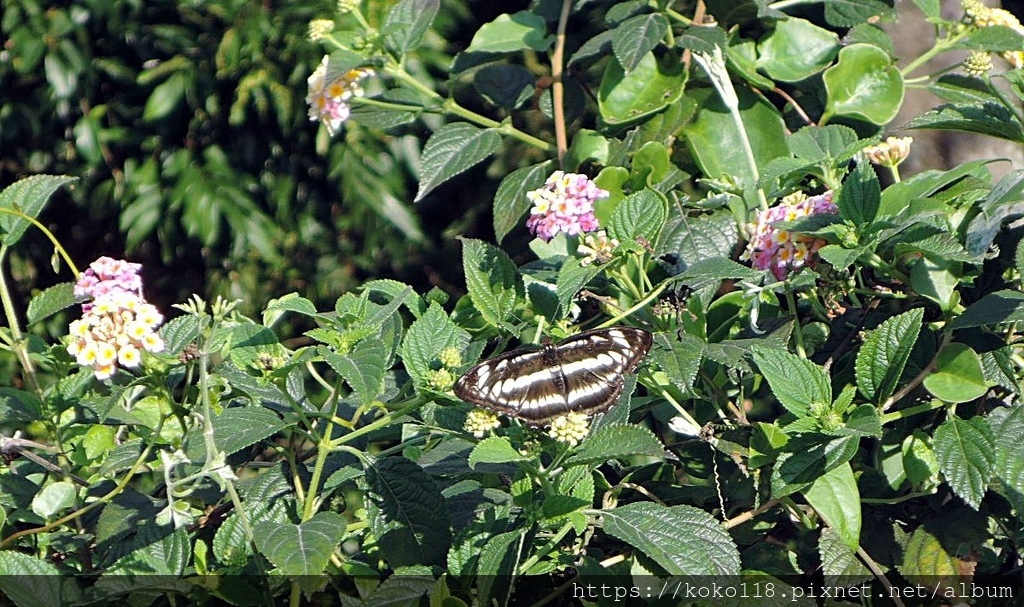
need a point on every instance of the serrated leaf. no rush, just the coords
(797, 470)
(679, 358)
(683, 540)
(291, 302)
(300, 549)
(510, 202)
(985, 118)
(860, 195)
(179, 332)
(839, 564)
(1004, 306)
(820, 144)
(886, 350)
(1008, 428)
(834, 496)
(639, 215)
(407, 22)
(27, 197)
(925, 558)
(494, 450)
(451, 150)
(32, 582)
(637, 36)
(492, 279)
(497, 566)
(425, 339)
(363, 368)
(415, 526)
(616, 441)
(958, 376)
(795, 381)
(693, 239)
(235, 429)
(966, 453)
(50, 301)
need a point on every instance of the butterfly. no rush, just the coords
(584, 373)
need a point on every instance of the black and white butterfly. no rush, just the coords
(583, 373)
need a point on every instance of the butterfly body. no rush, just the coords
(584, 373)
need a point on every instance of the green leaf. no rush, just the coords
(492, 279)
(54, 498)
(414, 529)
(300, 549)
(808, 461)
(839, 564)
(1008, 428)
(510, 202)
(847, 13)
(694, 239)
(50, 301)
(683, 540)
(679, 358)
(617, 441)
(986, 118)
(639, 215)
(834, 496)
(795, 381)
(966, 453)
(235, 429)
(494, 450)
(992, 38)
(860, 195)
(26, 197)
(497, 566)
(863, 84)
(407, 23)
(796, 49)
(651, 87)
(823, 144)
(637, 36)
(506, 86)
(885, 352)
(510, 33)
(919, 461)
(958, 376)
(424, 341)
(165, 98)
(572, 277)
(717, 145)
(179, 332)
(32, 582)
(363, 368)
(451, 150)
(291, 302)
(1000, 307)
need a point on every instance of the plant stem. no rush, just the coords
(558, 86)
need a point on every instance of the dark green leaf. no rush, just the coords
(50, 301)
(651, 87)
(425, 339)
(639, 215)
(572, 277)
(966, 452)
(492, 280)
(679, 358)
(957, 376)
(637, 36)
(810, 460)
(985, 118)
(300, 549)
(510, 33)
(847, 13)
(1008, 429)
(834, 496)
(451, 150)
(694, 239)
(407, 22)
(235, 429)
(683, 540)
(860, 195)
(885, 352)
(26, 197)
(617, 441)
(822, 144)
(506, 86)
(796, 382)
(363, 368)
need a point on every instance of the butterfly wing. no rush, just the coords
(583, 373)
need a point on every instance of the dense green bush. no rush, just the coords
(842, 412)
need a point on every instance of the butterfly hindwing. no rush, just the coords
(583, 373)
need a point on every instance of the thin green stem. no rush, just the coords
(551, 545)
(377, 424)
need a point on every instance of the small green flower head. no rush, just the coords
(450, 357)
(441, 380)
(570, 429)
(481, 422)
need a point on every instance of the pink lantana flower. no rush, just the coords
(780, 251)
(329, 100)
(565, 203)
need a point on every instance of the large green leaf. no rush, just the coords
(639, 215)
(424, 341)
(26, 197)
(492, 279)
(300, 549)
(796, 382)
(653, 85)
(451, 150)
(958, 376)
(683, 540)
(617, 441)
(864, 84)
(859, 197)
(885, 352)
(796, 49)
(407, 22)
(510, 33)
(966, 453)
(809, 461)
(32, 582)
(834, 496)
(411, 521)
(363, 368)
(235, 429)
(1008, 428)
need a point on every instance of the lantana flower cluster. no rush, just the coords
(778, 250)
(118, 324)
(979, 15)
(565, 203)
(329, 101)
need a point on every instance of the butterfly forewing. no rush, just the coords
(583, 373)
